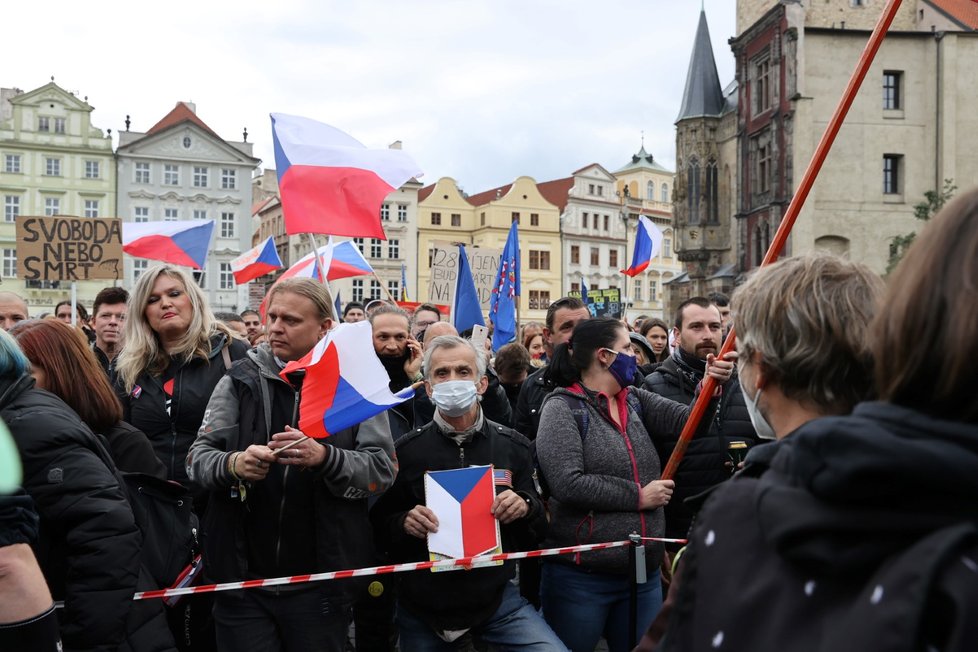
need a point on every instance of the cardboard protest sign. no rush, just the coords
(69, 248)
(605, 302)
(483, 262)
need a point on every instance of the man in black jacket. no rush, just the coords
(482, 604)
(708, 461)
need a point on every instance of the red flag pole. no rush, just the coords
(790, 215)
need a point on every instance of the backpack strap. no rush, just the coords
(579, 410)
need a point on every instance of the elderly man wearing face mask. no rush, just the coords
(438, 609)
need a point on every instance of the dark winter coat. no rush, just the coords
(89, 545)
(705, 463)
(455, 599)
(171, 435)
(132, 452)
(862, 535)
(535, 389)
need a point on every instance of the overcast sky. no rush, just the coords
(479, 90)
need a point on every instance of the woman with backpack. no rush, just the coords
(602, 471)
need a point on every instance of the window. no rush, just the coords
(59, 125)
(590, 188)
(394, 249)
(600, 190)
(762, 85)
(11, 163)
(200, 276)
(534, 219)
(594, 221)
(227, 277)
(402, 213)
(385, 212)
(665, 192)
(376, 249)
(44, 124)
(712, 194)
(229, 178)
(516, 218)
(482, 218)
(539, 299)
(638, 290)
(606, 218)
(142, 173)
(52, 167)
(92, 169)
(613, 258)
(583, 220)
(891, 174)
(200, 214)
(171, 214)
(653, 291)
(693, 191)
(456, 219)
(138, 267)
(436, 219)
(666, 248)
(91, 208)
(359, 243)
(650, 190)
(575, 254)
(358, 290)
(9, 263)
(171, 175)
(11, 207)
(575, 287)
(200, 177)
(763, 167)
(595, 253)
(539, 259)
(891, 89)
(52, 206)
(374, 290)
(227, 225)
(394, 287)
(140, 214)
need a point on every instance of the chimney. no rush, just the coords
(395, 145)
(192, 106)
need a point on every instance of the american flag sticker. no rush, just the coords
(502, 478)
(136, 391)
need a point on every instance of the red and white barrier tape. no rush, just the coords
(464, 562)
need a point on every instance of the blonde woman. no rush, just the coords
(175, 353)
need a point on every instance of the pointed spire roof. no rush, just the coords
(703, 95)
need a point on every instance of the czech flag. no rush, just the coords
(345, 383)
(462, 501)
(648, 241)
(329, 182)
(256, 262)
(179, 243)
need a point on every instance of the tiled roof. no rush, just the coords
(425, 192)
(643, 161)
(180, 113)
(489, 195)
(556, 191)
(964, 12)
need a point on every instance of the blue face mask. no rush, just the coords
(623, 368)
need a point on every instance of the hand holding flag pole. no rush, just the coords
(788, 221)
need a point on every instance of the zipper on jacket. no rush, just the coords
(285, 480)
(461, 456)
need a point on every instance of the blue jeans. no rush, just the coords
(582, 607)
(514, 626)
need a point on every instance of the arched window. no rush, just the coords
(650, 191)
(665, 193)
(759, 248)
(693, 191)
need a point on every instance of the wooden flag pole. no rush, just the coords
(788, 221)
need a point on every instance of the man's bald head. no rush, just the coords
(13, 309)
(436, 329)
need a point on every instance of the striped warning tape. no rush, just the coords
(464, 562)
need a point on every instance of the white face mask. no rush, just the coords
(761, 426)
(454, 398)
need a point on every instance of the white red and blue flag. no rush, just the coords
(177, 242)
(329, 182)
(256, 262)
(648, 241)
(506, 289)
(344, 383)
(462, 501)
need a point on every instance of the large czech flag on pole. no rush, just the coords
(256, 262)
(329, 182)
(345, 383)
(506, 289)
(648, 241)
(179, 243)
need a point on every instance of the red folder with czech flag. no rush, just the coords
(462, 501)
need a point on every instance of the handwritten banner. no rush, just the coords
(483, 261)
(69, 248)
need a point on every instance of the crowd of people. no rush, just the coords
(827, 496)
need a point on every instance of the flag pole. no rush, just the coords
(319, 261)
(385, 288)
(624, 298)
(790, 215)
